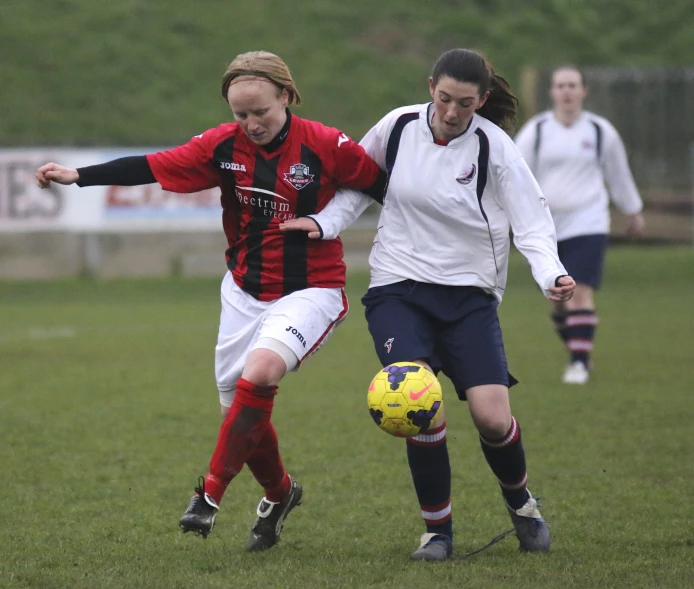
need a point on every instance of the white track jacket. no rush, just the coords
(448, 208)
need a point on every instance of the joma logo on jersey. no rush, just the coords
(295, 332)
(298, 176)
(232, 166)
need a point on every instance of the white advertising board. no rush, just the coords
(99, 209)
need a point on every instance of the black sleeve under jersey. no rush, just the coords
(125, 171)
(377, 190)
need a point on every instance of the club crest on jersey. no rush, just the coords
(467, 176)
(298, 176)
(389, 344)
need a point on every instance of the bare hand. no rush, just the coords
(55, 173)
(302, 224)
(564, 291)
(635, 225)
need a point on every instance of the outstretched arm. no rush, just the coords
(125, 171)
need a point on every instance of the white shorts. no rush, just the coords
(302, 321)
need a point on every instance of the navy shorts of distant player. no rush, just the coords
(583, 257)
(455, 329)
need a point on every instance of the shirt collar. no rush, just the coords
(430, 117)
(280, 138)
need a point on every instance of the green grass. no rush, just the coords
(108, 413)
(136, 72)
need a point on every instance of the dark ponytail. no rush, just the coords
(466, 65)
(501, 106)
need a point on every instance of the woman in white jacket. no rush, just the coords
(575, 156)
(457, 184)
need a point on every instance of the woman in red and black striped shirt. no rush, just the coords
(283, 293)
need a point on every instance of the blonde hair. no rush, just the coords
(261, 64)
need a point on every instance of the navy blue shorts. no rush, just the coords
(455, 329)
(583, 257)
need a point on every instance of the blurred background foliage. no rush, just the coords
(147, 72)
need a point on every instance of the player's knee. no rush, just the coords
(493, 426)
(264, 368)
(490, 410)
(582, 299)
(268, 362)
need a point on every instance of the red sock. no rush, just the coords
(242, 429)
(266, 465)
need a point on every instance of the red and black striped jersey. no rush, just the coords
(263, 187)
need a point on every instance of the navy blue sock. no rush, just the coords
(506, 458)
(559, 320)
(427, 455)
(580, 333)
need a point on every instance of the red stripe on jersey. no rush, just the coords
(263, 246)
(261, 189)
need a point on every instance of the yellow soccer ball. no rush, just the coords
(404, 399)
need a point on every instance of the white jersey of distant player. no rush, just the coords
(575, 166)
(446, 213)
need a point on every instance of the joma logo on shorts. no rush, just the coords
(297, 334)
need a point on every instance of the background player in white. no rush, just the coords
(457, 184)
(576, 156)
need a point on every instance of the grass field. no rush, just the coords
(108, 413)
(131, 72)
